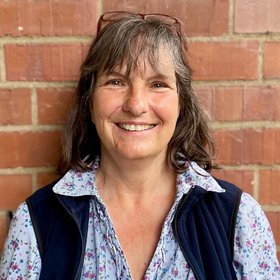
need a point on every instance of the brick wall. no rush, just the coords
(234, 49)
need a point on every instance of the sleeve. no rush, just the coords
(20, 259)
(255, 255)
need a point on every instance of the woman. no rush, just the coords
(136, 201)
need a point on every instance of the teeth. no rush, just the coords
(138, 127)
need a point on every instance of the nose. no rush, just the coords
(136, 101)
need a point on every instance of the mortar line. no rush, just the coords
(34, 106)
(30, 128)
(261, 62)
(256, 189)
(271, 208)
(231, 18)
(73, 84)
(228, 125)
(100, 7)
(26, 170)
(30, 84)
(266, 82)
(88, 38)
(2, 64)
(45, 40)
(249, 167)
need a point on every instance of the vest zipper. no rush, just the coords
(81, 236)
(180, 206)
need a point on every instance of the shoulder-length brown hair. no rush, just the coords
(123, 41)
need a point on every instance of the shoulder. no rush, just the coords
(20, 248)
(41, 195)
(254, 245)
(228, 187)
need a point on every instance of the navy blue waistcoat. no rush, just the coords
(204, 226)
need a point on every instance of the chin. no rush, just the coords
(139, 154)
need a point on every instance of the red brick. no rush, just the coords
(261, 103)
(227, 103)
(252, 147)
(205, 96)
(244, 103)
(261, 146)
(222, 103)
(24, 18)
(224, 60)
(4, 223)
(271, 147)
(269, 186)
(53, 105)
(248, 146)
(229, 146)
(43, 62)
(242, 178)
(15, 106)
(272, 59)
(204, 17)
(29, 149)
(259, 16)
(274, 220)
(14, 189)
(46, 178)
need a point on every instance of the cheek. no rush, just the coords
(103, 107)
(169, 107)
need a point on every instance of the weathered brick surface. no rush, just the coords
(261, 103)
(243, 103)
(241, 178)
(272, 60)
(229, 146)
(224, 60)
(259, 16)
(271, 147)
(42, 18)
(46, 178)
(274, 220)
(29, 149)
(14, 189)
(269, 187)
(222, 103)
(15, 106)
(4, 223)
(43, 62)
(204, 17)
(54, 104)
(248, 146)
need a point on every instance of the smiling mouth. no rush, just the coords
(137, 127)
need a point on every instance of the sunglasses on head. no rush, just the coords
(109, 17)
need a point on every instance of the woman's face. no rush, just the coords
(135, 115)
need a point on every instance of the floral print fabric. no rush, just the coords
(254, 246)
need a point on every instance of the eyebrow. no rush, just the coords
(160, 76)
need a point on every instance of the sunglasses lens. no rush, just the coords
(115, 16)
(163, 18)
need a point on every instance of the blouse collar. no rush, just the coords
(84, 183)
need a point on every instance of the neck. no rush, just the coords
(137, 179)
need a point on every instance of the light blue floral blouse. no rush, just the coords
(254, 245)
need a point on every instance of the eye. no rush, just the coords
(159, 85)
(115, 82)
